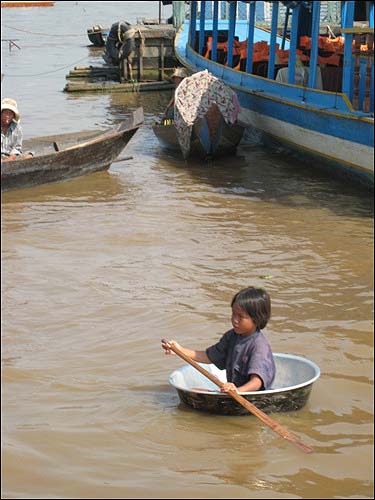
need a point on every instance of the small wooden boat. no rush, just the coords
(205, 113)
(28, 4)
(211, 136)
(291, 389)
(61, 157)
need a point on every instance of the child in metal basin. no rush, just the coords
(243, 351)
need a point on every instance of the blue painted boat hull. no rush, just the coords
(318, 123)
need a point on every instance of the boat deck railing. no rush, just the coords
(341, 64)
(363, 80)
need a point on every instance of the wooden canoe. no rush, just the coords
(61, 157)
(211, 136)
(291, 389)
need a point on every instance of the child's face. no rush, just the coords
(241, 321)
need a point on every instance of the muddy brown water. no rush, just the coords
(96, 270)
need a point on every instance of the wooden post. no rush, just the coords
(161, 66)
(123, 71)
(140, 60)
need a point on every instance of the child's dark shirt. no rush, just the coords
(242, 356)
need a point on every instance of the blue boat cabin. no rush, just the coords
(298, 47)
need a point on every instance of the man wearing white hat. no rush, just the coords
(11, 132)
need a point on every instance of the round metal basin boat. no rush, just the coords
(290, 391)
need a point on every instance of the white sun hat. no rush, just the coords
(12, 106)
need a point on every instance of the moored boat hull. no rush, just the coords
(322, 123)
(343, 151)
(67, 156)
(228, 143)
(203, 120)
(215, 137)
(222, 142)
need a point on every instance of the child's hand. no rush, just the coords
(228, 386)
(166, 345)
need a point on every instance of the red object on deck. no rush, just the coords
(28, 4)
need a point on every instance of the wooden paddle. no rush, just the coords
(244, 402)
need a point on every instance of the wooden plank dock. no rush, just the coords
(153, 63)
(119, 87)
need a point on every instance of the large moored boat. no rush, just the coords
(302, 83)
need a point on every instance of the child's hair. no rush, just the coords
(256, 303)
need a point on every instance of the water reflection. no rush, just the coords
(262, 173)
(99, 187)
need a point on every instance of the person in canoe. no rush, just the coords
(11, 132)
(177, 76)
(243, 351)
